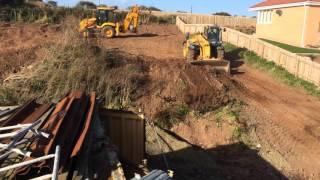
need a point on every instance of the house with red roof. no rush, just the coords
(294, 22)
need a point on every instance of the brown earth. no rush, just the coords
(286, 119)
(174, 84)
(204, 130)
(157, 41)
(20, 45)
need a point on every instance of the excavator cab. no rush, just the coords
(214, 36)
(104, 15)
(206, 48)
(212, 33)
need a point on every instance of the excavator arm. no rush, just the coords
(87, 23)
(131, 21)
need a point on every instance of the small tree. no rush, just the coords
(53, 3)
(152, 8)
(222, 14)
(146, 8)
(86, 5)
(11, 2)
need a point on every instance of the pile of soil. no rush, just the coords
(176, 83)
(206, 132)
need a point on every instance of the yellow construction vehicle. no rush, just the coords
(206, 49)
(106, 23)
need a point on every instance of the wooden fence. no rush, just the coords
(226, 21)
(127, 131)
(300, 66)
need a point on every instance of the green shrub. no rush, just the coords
(45, 15)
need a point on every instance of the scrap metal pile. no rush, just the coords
(59, 141)
(32, 134)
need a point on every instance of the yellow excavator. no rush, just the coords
(206, 49)
(106, 24)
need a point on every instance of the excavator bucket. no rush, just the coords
(218, 65)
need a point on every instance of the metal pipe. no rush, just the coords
(48, 176)
(16, 150)
(8, 111)
(14, 127)
(50, 156)
(8, 135)
(5, 155)
(56, 163)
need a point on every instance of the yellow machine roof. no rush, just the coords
(110, 8)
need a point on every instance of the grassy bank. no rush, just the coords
(73, 63)
(275, 70)
(293, 49)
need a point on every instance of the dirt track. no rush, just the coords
(157, 41)
(287, 119)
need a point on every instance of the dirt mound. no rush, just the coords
(177, 86)
(205, 132)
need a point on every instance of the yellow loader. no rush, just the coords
(206, 49)
(106, 23)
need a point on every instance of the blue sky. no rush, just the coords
(235, 7)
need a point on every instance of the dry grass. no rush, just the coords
(73, 63)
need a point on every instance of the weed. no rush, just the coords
(74, 64)
(7, 97)
(183, 110)
(230, 112)
(172, 115)
(197, 114)
(238, 132)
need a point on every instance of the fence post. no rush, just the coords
(297, 68)
(237, 39)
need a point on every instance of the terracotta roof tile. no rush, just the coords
(278, 2)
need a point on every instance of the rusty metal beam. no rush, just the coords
(86, 127)
(20, 114)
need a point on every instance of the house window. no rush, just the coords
(264, 17)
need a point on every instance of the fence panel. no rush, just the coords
(127, 131)
(227, 21)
